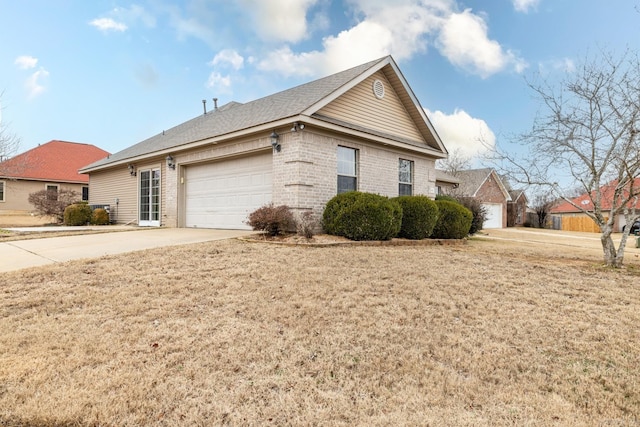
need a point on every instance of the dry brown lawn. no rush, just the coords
(491, 333)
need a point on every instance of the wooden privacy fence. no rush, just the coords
(579, 223)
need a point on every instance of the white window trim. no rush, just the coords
(355, 166)
(411, 172)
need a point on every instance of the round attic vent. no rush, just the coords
(378, 89)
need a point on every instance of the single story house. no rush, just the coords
(486, 186)
(50, 166)
(574, 219)
(360, 129)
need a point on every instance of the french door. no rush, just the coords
(149, 198)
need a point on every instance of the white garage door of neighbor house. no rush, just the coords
(494, 215)
(222, 194)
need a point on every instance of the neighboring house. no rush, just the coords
(517, 208)
(360, 129)
(50, 166)
(486, 186)
(445, 182)
(573, 219)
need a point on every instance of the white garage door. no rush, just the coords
(494, 215)
(222, 194)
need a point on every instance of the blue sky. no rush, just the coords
(112, 73)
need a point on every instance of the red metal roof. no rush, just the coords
(585, 201)
(56, 161)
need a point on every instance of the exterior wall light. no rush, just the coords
(297, 126)
(171, 164)
(132, 169)
(275, 141)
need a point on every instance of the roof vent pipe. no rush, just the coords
(204, 105)
(215, 103)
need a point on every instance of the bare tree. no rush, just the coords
(542, 205)
(9, 142)
(588, 132)
(456, 161)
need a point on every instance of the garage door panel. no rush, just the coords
(222, 194)
(494, 215)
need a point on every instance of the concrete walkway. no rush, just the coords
(19, 254)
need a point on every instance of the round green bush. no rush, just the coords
(99, 216)
(77, 214)
(419, 216)
(454, 220)
(362, 216)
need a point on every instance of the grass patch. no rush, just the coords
(484, 334)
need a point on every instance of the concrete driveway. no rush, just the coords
(19, 254)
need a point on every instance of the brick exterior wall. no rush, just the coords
(305, 171)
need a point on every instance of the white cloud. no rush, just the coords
(219, 83)
(26, 62)
(280, 20)
(134, 14)
(460, 132)
(34, 84)
(464, 41)
(401, 28)
(564, 65)
(525, 5)
(228, 57)
(108, 24)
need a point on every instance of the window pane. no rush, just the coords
(1, 191)
(85, 194)
(405, 171)
(346, 183)
(52, 192)
(346, 161)
(405, 190)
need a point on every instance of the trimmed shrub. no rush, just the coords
(362, 216)
(478, 211)
(77, 214)
(100, 216)
(447, 198)
(273, 220)
(419, 216)
(454, 220)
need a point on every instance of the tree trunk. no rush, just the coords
(612, 258)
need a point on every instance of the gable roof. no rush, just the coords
(264, 114)
(517, 194)
(606, 190)
(55, 161)
(472, 180)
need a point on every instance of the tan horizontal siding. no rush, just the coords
(105, 186)
(361, 107)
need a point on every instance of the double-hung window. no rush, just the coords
(347, 169)
(1, 191)
(405, 177)
(85, 194)
(52, 191)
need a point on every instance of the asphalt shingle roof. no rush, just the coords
(235, 116)
(57, 161)
(471, 180)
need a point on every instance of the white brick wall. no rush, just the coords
(305, 171)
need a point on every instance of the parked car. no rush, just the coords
(635, 228)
